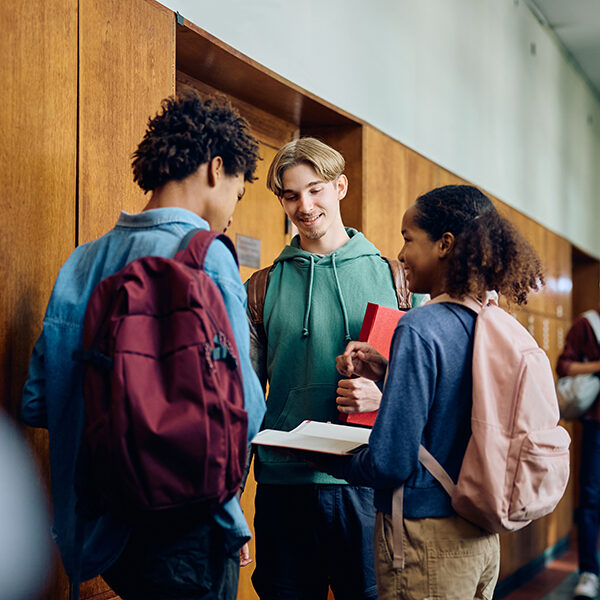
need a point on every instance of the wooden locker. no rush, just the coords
(395, 176)
(386, 186)
(38, 154)
(125, 70)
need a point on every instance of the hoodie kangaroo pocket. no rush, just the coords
(315, 402)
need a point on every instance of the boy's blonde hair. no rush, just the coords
(327, 162)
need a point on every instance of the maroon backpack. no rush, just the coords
(165, 425)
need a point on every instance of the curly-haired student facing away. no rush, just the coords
(194, 159)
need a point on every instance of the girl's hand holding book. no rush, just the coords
(363, 360)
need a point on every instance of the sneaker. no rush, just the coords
(588, 586)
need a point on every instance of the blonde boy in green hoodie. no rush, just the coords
(312, 530)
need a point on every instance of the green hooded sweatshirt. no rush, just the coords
(313, 307)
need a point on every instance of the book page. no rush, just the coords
(315, 436)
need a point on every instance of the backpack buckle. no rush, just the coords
(223, 351)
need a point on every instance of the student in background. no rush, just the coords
(581, 356)
(314, 530)
(455, 242)
(194, 159)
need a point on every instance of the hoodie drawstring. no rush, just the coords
(347, 337)
(309, 299)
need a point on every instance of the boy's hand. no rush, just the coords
(357, 395)
(245, 558)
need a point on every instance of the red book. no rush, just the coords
(377, 329)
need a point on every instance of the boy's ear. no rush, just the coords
(215, 170)
(446, 244)
(342, 186)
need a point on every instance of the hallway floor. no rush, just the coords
(555, 582)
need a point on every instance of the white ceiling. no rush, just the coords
(576, 24)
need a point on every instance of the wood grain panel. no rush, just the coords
(38, 157)
(536, 235)
(386, 174)
(551, 291)
(268, 128)
(546, 253)
(394, 177)
(421, 176)
(126, 69)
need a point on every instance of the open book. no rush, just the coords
(317, 437)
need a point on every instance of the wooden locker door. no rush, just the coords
(38, 154)
(565, 278)
(126, 69)
(534, 234)
(394, 178)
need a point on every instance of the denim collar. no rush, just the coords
(158, 216)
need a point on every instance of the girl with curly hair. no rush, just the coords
(455, 242)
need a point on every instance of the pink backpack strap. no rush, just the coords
(434, 467)
(467, 301)
(397, 526)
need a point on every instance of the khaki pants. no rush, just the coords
(449, 559)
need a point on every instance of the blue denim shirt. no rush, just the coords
(52, 397)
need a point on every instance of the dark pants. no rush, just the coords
(310, 537)
(176, 563)
(588, 513)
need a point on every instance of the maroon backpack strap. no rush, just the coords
(193, 253)
(403, 295)
(257, 290)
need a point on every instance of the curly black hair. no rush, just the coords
(489, 253)
(188, 132)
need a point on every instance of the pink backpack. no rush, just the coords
(516, 465)
(165, 425)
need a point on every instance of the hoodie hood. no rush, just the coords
(356, 247)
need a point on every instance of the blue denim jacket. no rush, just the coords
(52, 397)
